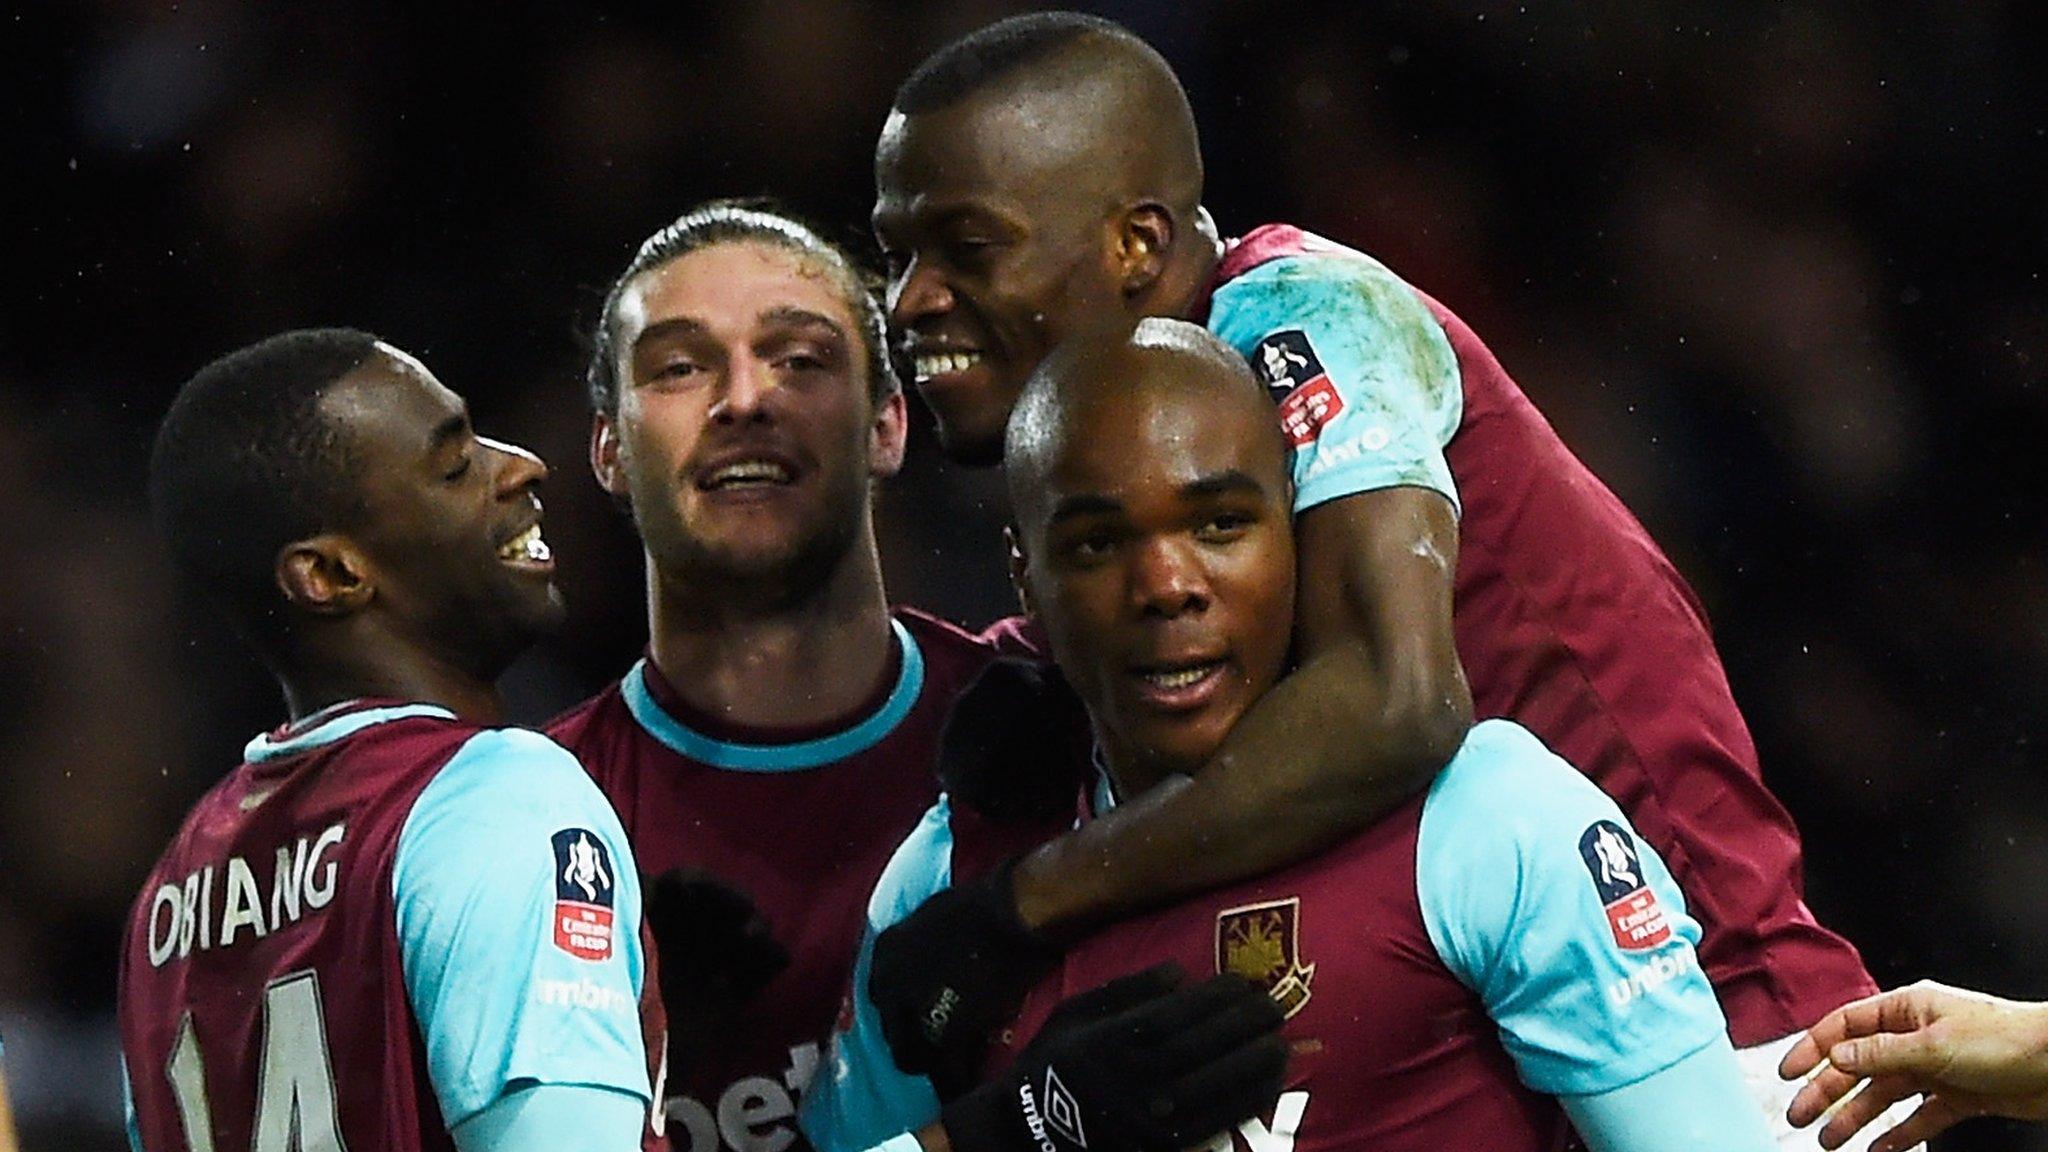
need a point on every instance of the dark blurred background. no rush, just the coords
(1774, 270)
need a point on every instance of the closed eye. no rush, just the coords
(1090, 547)
(970, 251)
(1225, 525)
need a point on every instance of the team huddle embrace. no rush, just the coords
(1358, 773)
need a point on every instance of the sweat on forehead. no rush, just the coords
(1104, 376)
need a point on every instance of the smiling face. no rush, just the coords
(747, 430)
(999, 245)
(448, 520)
(1157, 553)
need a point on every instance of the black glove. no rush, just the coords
(714, 952)
(950, 973)
(1015, 743)
(1137, 1065)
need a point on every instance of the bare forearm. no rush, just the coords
(7, 1138)
(1316, 760)
(1376, 706)
(934, 1138)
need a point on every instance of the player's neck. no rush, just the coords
(395, 672)
(769, 661)
(1132, 775)
(1185, 282)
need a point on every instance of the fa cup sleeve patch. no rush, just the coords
(585, 885)
(1634, 914)
(1289, 367)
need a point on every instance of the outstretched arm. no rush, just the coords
(1376, 705)
(1970, 1054)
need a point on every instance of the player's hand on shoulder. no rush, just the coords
(1145, 1062)
(1969, 1053)
(1007, 749)
(714, 951)
(950, 973)
(946, 976)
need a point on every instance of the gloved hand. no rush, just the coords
(1015, 743)
(715, 953)
(950, 973)
(944, 978)
(1141, 1064)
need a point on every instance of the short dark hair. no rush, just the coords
(244, 463)
(736, 221)
(986, 55)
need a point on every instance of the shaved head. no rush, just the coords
(1106, 383)
(1154, 538)
(1085, 90)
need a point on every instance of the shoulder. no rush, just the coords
(1284, 259)
(1016, 636)
(920, 868)
(515, 756)
(1504, 777)
(1268, 242)
(942, 642)
(1500, 838)
(509, 778)
(213, 810)
(1337, 315)
(1319, 290)
(582, 720)
(1512, 808)
(928, 627)
(509, 809)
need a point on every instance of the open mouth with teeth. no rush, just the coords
(745, 474)
(1180, 678)
(527, 547)
(929, 365)
(1181, 685)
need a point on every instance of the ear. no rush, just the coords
(604, 456)
(324, 575)
(1020, 571)
(891, 433)
(1144, 242)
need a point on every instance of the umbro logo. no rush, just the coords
(1060, 1116)
(1062, 1111)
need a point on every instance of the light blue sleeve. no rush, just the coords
(1367, 382)
(860, 1098)
(128, 1119)
(1540, 898)
(568, 1118)
(1696, 1103)
(518, 920)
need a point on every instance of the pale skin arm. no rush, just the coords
(1968, 1053)
(7, 1140)
(1377, 703)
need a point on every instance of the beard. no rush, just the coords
(762, 569)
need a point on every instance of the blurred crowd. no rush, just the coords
(1773, 270)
